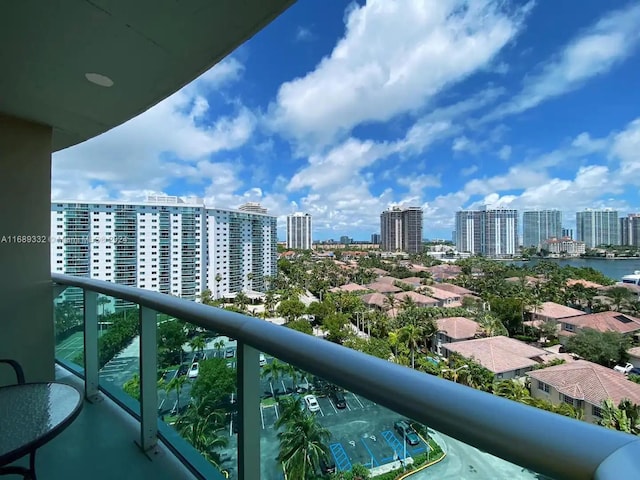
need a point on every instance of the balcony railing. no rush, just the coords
(541, 441)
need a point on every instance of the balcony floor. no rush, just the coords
(99, 445)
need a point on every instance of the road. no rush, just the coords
(464, 462)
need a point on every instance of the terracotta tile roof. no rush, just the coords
(584, 283)
(457, 327)
(549, 357)
(528, 280)
(497, 354)
(555, 310)
(375, 299)
(416, 297)
(349, 287)
(449, 287)
(629, 286)
(635, 351)
(390, 280)
(440, 294)
(383, 287)
(378, 271)
(588, 381)
(418, 268)
(411, 280)
(605, 322)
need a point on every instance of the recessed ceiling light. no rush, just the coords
(98, 79)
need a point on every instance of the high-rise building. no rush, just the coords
(252, 207)
(375, 238)
(630, 230)
(567, 233)
(540, 225)
(401, 229)
(164, 244)
(299, 231)
(598, 227)
(490, 232)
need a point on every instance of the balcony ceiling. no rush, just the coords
(149, 48)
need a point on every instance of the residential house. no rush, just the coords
(419, 299)
(444, 297)
(609, 321)
(453, 329)
(584, 385)
(450, 287)
(349, 287)
(551, 311)
(585, 283)
(375, 300)
(384, 287)
(505, 357)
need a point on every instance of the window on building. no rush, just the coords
(543, 386)
(596, 411)
(567, 399)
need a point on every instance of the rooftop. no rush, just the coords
(497, 354)
(589, 381)
(555, 310)
(457, 327)
(605, 322)
(449, 287)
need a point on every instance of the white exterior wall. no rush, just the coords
(211, 245)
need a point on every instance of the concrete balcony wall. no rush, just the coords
(26, 329)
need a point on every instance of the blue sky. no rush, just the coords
(344, 109)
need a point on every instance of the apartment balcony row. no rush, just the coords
(481, 433)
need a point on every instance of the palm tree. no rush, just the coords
(390, 302)
(198, 343)
(410, 335)
(199, 425)
(273, 370)
(218, 345)
(291, 411)
(302, 446)
(270, 302)
(513, 390)
(490, 325)
(176, 383)
(408, 303)
(619, 296)
(241, 300)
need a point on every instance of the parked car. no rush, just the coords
(338, 399)
(312, 403)
(634, 371)
(199, 356)
(407, 432)
(230, 353)
(263, 360)
(623, 369)
(303, 386)
(194, 370)
(182, 370)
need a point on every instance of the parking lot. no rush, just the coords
(362, 432)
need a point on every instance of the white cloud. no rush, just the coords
(304, 34)
(465, 172)
(505, 153)
(428, 46)
(154, 148)
(594, 52)
(626, 147)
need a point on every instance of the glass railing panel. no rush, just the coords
(69, 326)
(119, 348)
(197, 393)
(354, 435)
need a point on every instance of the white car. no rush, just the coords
(312, 403)
(194, 370)
(263, 360)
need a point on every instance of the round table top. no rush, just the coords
(32, 414)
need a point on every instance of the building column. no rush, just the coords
(26, 310)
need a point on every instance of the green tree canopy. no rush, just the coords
(605, 348)
(171, 338)
(291, 309)
(301, 325)
(215, 380)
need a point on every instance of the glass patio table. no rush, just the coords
(31, 415)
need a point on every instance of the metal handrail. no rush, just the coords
(544, 442)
